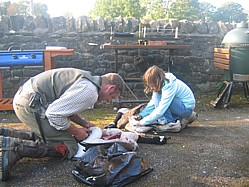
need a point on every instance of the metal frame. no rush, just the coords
(221, 60)
(117, 47)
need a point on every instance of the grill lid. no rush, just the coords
(239, 35)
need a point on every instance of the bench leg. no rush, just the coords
(225, 93)
(246, 91)
(228, 95)
(221, 95)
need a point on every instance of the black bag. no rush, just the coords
(112, 166)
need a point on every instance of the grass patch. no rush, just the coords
(237, 99)
(100, 116)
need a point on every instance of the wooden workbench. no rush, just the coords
(171, 48)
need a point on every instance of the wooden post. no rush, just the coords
(49, 55)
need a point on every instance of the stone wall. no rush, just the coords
(60, 25)
(194, 66)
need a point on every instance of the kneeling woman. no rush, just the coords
(172, 102)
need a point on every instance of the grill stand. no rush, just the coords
(225, 93)
(222, 59)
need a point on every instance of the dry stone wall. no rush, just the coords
(194, 65)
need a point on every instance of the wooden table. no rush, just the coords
(49, 54)
(48, 63)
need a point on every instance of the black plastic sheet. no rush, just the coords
(112, 166)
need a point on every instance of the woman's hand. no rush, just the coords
(134, 122)
(138, 117)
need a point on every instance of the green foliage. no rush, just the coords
(22, 8)
(156, 9)
(40, 9)
(230, 12)
(3, 8)
(185, 9)
(218, 87)
(207, 11)
(100, 116)
(115, 8)
(149, 9)
(164, 9)
(12, 9)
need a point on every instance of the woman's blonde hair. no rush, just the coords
(153, 78)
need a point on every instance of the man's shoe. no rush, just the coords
(26, 135)
(8, 156)
(169, 127)
(189, 120)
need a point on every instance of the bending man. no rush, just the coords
(48, 104)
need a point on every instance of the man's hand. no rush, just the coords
(78, 133)
(82, 134)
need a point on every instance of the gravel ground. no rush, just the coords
(213, 151)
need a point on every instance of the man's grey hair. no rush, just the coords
(114, 79)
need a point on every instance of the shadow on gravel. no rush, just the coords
(213, 151)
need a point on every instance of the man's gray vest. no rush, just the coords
(53, 83)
